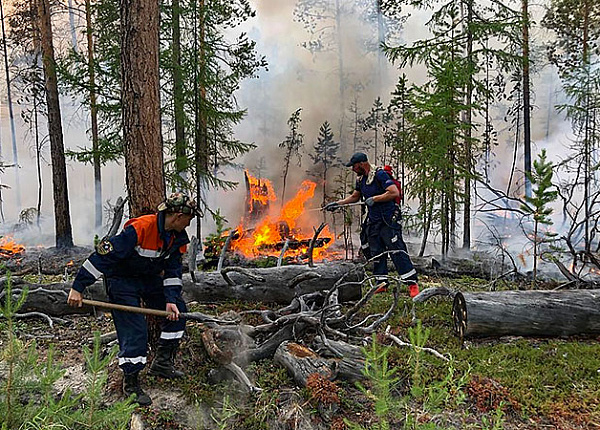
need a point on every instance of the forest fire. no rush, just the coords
(267, 228)
(9, 248)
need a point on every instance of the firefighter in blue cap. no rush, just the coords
(382, 230)
(143, 263)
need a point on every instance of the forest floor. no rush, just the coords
(494, 383)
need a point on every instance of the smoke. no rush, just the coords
(295, 79)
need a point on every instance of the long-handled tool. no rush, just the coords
(196, 316)
(340, 206)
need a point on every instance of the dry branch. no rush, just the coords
(401, 343)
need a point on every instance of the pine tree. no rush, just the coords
(374, 123)
(202, 63)
(460, 43)
(400, 137)
(291, 145)
(576, 53)
(324, 155)
(537, 205)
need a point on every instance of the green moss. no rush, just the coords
(541, 375)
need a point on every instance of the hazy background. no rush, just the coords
(295, 79)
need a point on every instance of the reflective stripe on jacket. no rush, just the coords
(143, 248)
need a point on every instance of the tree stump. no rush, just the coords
(526, 313)
(301, 362)
(352, 362)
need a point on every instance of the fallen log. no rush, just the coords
(479, 265)
(301, 362)
(278, 284)
(272, 285)
(526, 313)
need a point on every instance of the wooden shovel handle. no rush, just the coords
(124, 308)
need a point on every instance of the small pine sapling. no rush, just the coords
(538, 205)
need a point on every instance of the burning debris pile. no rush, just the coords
(270, 228)
(9, 248)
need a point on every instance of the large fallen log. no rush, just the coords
(482, 266)
(272, 285)
(276, 284)
(526, 313)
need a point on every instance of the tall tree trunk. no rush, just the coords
(38, 158)
(62, 217)
(201, 131)
(94, 117)
(526, 98)
(340, 44)
(178, 102)
(72, 26)
(376, 138)
(11, 115)
(141, 107)
(380, 40)
(427, 205)
(587, 135)
(468, 119)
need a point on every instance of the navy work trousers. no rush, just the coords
(132, 330)
(384, 236)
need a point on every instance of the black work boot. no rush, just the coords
(163, 361)
(131, 386)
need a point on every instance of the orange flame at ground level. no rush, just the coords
(8, 247)
(269, 235)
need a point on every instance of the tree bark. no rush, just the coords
(94, 117)
(526, 98)
(301, 362)
(62, 217)
(201, 150)
(526, 313)
(178, 101)
(141, 107)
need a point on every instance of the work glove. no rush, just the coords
(331, 206)
(370, 201)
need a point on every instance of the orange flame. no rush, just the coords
(8, 247)
(272, 231)
(261, 191)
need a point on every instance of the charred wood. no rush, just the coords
(315, 243)
(352, 362)
(118, 210)
(301, 362)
